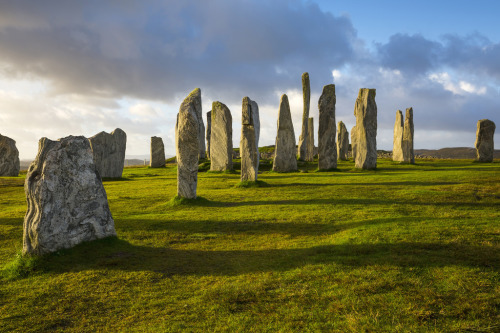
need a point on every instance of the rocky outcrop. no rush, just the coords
(327, 149)
(157, 158)
(221, 138)
(109, 152)
(408, 154)
(306, 95)
(484, 140)
(209, 131)
(9, 157)
(187, 147)
(365, 111)
(397, 144)
(310, 140)
(285, 159)
(342, 142)
(67, 203)
(249, 141)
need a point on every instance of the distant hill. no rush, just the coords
(452, 153)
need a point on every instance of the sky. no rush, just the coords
(72, 67)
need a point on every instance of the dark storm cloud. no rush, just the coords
(158, 50)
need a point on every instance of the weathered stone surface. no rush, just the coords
(194, 97)
(109, 152)
(221, 137)
(306, 95)
(9, 157)
(209, 131)
(310, 140)
(249, 141)
(397, 144)
(484, 140)
(327, 149)
(342, 142)
(354, 141)
(187, 147)
(365, 111)
(157, 158)
(408, 154)
(67, 203)
(285, 159)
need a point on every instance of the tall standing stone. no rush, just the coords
(327, 149)
(195, 98)
(157, 158)
(249, 142)
(484, 140)
(109, 152)
(306, 95)
(342, 142)
(310, 140)
(285, 159)
(187, 145)
(221, 138)
(354, 142)
(408, 154)
(67, 203)
(209, 131)
(365, 111)
(397, 144)
(9, 157)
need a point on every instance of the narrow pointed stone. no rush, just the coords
(9, 157)
(342, 142)
(157, 157)
(408, 154)
(109, 152)
(310, 140)
(209, 131)
(484, 140)
(187, 147)
(285, 159)
(354, 141)
(365, 111)
(306, 96)
(327, 148)
(221, 138)
(249, 141)
(397, 144)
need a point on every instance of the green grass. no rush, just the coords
(408, 248)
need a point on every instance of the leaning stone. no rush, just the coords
(354, 140)
(310, 140)
(249, 141)
(365, 111)
(484, 140)
(67, 203)
(342, 142)
(408, 154)
(209, 131)
(221, 137)
(157, 158)
(285, 159)
(397, 144)
(9, 157)
(306, 95)
(109, 152)
(327, 149)
(187, 148)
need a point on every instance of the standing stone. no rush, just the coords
(109, 152)
(209, 131)
(354, 142)
(397, 144)
(342, 142)
(157, 159)
(306, 95)
(249, 142)
(195, 98)
(285, 159)
(221, 146)
(310, 140)
(187, 147)
(327, 149)
(365, 111)
(484, 140)
(67, 203)
(408, 155)
(9, 157)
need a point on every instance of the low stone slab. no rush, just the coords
(109, 152)
(157, 158)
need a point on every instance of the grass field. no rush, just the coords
(408, 248)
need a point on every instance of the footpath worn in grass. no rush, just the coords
(402, 248)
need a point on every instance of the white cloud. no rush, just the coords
(458, 88)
